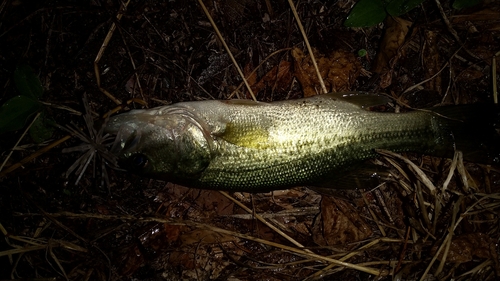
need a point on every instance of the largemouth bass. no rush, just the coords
(256, 146)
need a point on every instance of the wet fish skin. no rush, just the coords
(254, 146)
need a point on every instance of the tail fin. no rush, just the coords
(474, 130)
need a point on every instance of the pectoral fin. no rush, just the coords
(246, 135)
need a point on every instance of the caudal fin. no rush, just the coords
(474, 130)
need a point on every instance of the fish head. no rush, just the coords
(158, 144)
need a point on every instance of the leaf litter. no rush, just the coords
(433, 218)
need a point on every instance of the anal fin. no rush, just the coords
(364, 175)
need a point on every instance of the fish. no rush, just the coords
(244, 145)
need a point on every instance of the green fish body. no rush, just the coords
(256, 146)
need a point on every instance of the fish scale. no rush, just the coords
(254, 146)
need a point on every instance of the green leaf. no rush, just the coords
(15, 112)
(43, 128)
(366, 13)
(27, 83)
(399, 7)
(460, 4)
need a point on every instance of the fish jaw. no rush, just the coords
(165, 144)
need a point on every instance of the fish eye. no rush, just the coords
(139, 161)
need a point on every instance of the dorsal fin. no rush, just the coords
(245, 102)
(361, 99)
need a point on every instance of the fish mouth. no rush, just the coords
(127, 139)
(126, 129)
(133, 118)
(144, 132)
(128, 132)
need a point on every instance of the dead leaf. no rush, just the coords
(339, 223)
(249, 76)
(279, 77)
(470, 74)
(133, 259)
(207, 203)
(431, 61)
(464, 247)
(211, 200)
(393, 39)
(486, 16)
(152, 240)
(130, 86)
(205, 236)
(202, 262)
(184, 259)
(172, 232)
(339, 71)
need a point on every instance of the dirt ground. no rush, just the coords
(436, 219)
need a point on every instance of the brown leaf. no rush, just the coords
(339, 223)
(184, 259)
(392, 41)
(172, 232)
(484, 16)
(470, 74)
(279, 77)
(251, 78)
(339, 71)
(133, 259)
(464, 247)
(205, 236)
(211, 200)
(431, 61)
(207, 203)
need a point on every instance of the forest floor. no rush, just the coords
(437, 219)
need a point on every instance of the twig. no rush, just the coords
(403, 250)
(433, 76)
(22, 250)
(103, 48)
(56, 260)
(132, 62)
(453, 166)
(309, 49)
(494, 76)
(372, 213)
(445, 242)
(18, 141)
(452, 30)
(227, 48)
(300, 252)
(34, 155)
(181, 69)
(260, 218)
(257, 68)
(456, 209)
(475, 269)
(62, 107)
(421, 175)
(358, 251)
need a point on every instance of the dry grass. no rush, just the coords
(430, 219)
